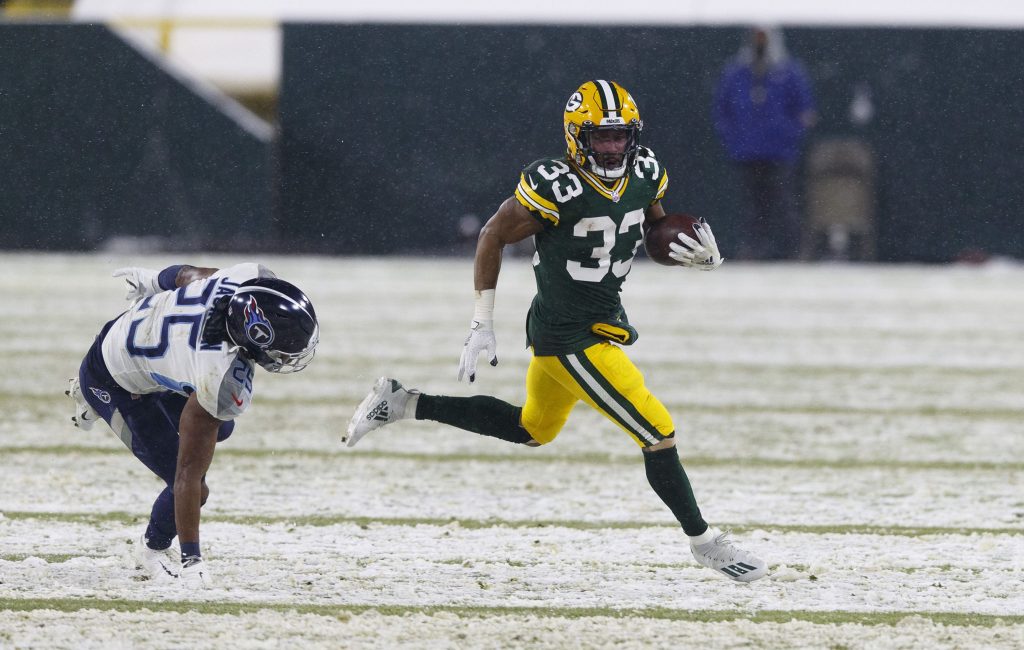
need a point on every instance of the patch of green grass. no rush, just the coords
(475, 524)
(340, 611)
(50, 558)
(43, 404)
(541, 457)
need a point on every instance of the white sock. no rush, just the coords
(703, 538)
(410, 405)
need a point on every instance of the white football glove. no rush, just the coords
(195, 575)
(141, 282)
(480, 339)
(696, 254)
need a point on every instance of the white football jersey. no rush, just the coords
(157, 345)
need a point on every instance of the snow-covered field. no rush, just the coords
(861, 427)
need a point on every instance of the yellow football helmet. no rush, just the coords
(601, 105)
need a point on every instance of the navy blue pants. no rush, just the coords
(147, 425)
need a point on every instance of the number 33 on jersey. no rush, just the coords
(591, 229)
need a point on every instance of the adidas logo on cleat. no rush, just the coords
(379, 412)
(736, 570)
(723, 556)
(388, 402)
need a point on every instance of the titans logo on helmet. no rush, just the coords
(257, 327)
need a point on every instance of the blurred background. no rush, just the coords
(313, 126)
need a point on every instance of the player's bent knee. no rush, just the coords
(541, 430)
(522, 437)
(664, 444)
(540, 435)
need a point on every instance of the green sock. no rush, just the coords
(483, 414)
(666, 475)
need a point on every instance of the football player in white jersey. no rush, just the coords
(170, 374)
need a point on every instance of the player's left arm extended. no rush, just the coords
(143, 282)
(197, 432)
(187, 274)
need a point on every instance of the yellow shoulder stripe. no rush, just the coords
(534, 202)
(662, 186)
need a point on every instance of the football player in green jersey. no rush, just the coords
(586, 211)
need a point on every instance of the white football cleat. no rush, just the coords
(721, 555)
(85, 416)
(388, 402)
(159, 565)
(196, 575)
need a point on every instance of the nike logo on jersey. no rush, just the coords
(532, 184)
(238, 402)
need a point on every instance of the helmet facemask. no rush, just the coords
(283, 362)
(288, 362)
(609, 151)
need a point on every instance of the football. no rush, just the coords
(662, 232)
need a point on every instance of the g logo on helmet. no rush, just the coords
(257, 328)
(575, 101)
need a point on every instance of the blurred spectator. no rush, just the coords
(763, 107)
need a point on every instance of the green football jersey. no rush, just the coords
(591, 233)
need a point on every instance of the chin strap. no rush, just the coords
(603, 173)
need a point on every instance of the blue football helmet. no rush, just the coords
(274, 323)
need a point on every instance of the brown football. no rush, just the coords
(664, 231)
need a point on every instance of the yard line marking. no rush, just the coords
(533, 457)
(333, 520)
(339, 611)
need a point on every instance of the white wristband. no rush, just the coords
(483, 306)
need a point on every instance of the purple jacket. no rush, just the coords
(769, 129)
